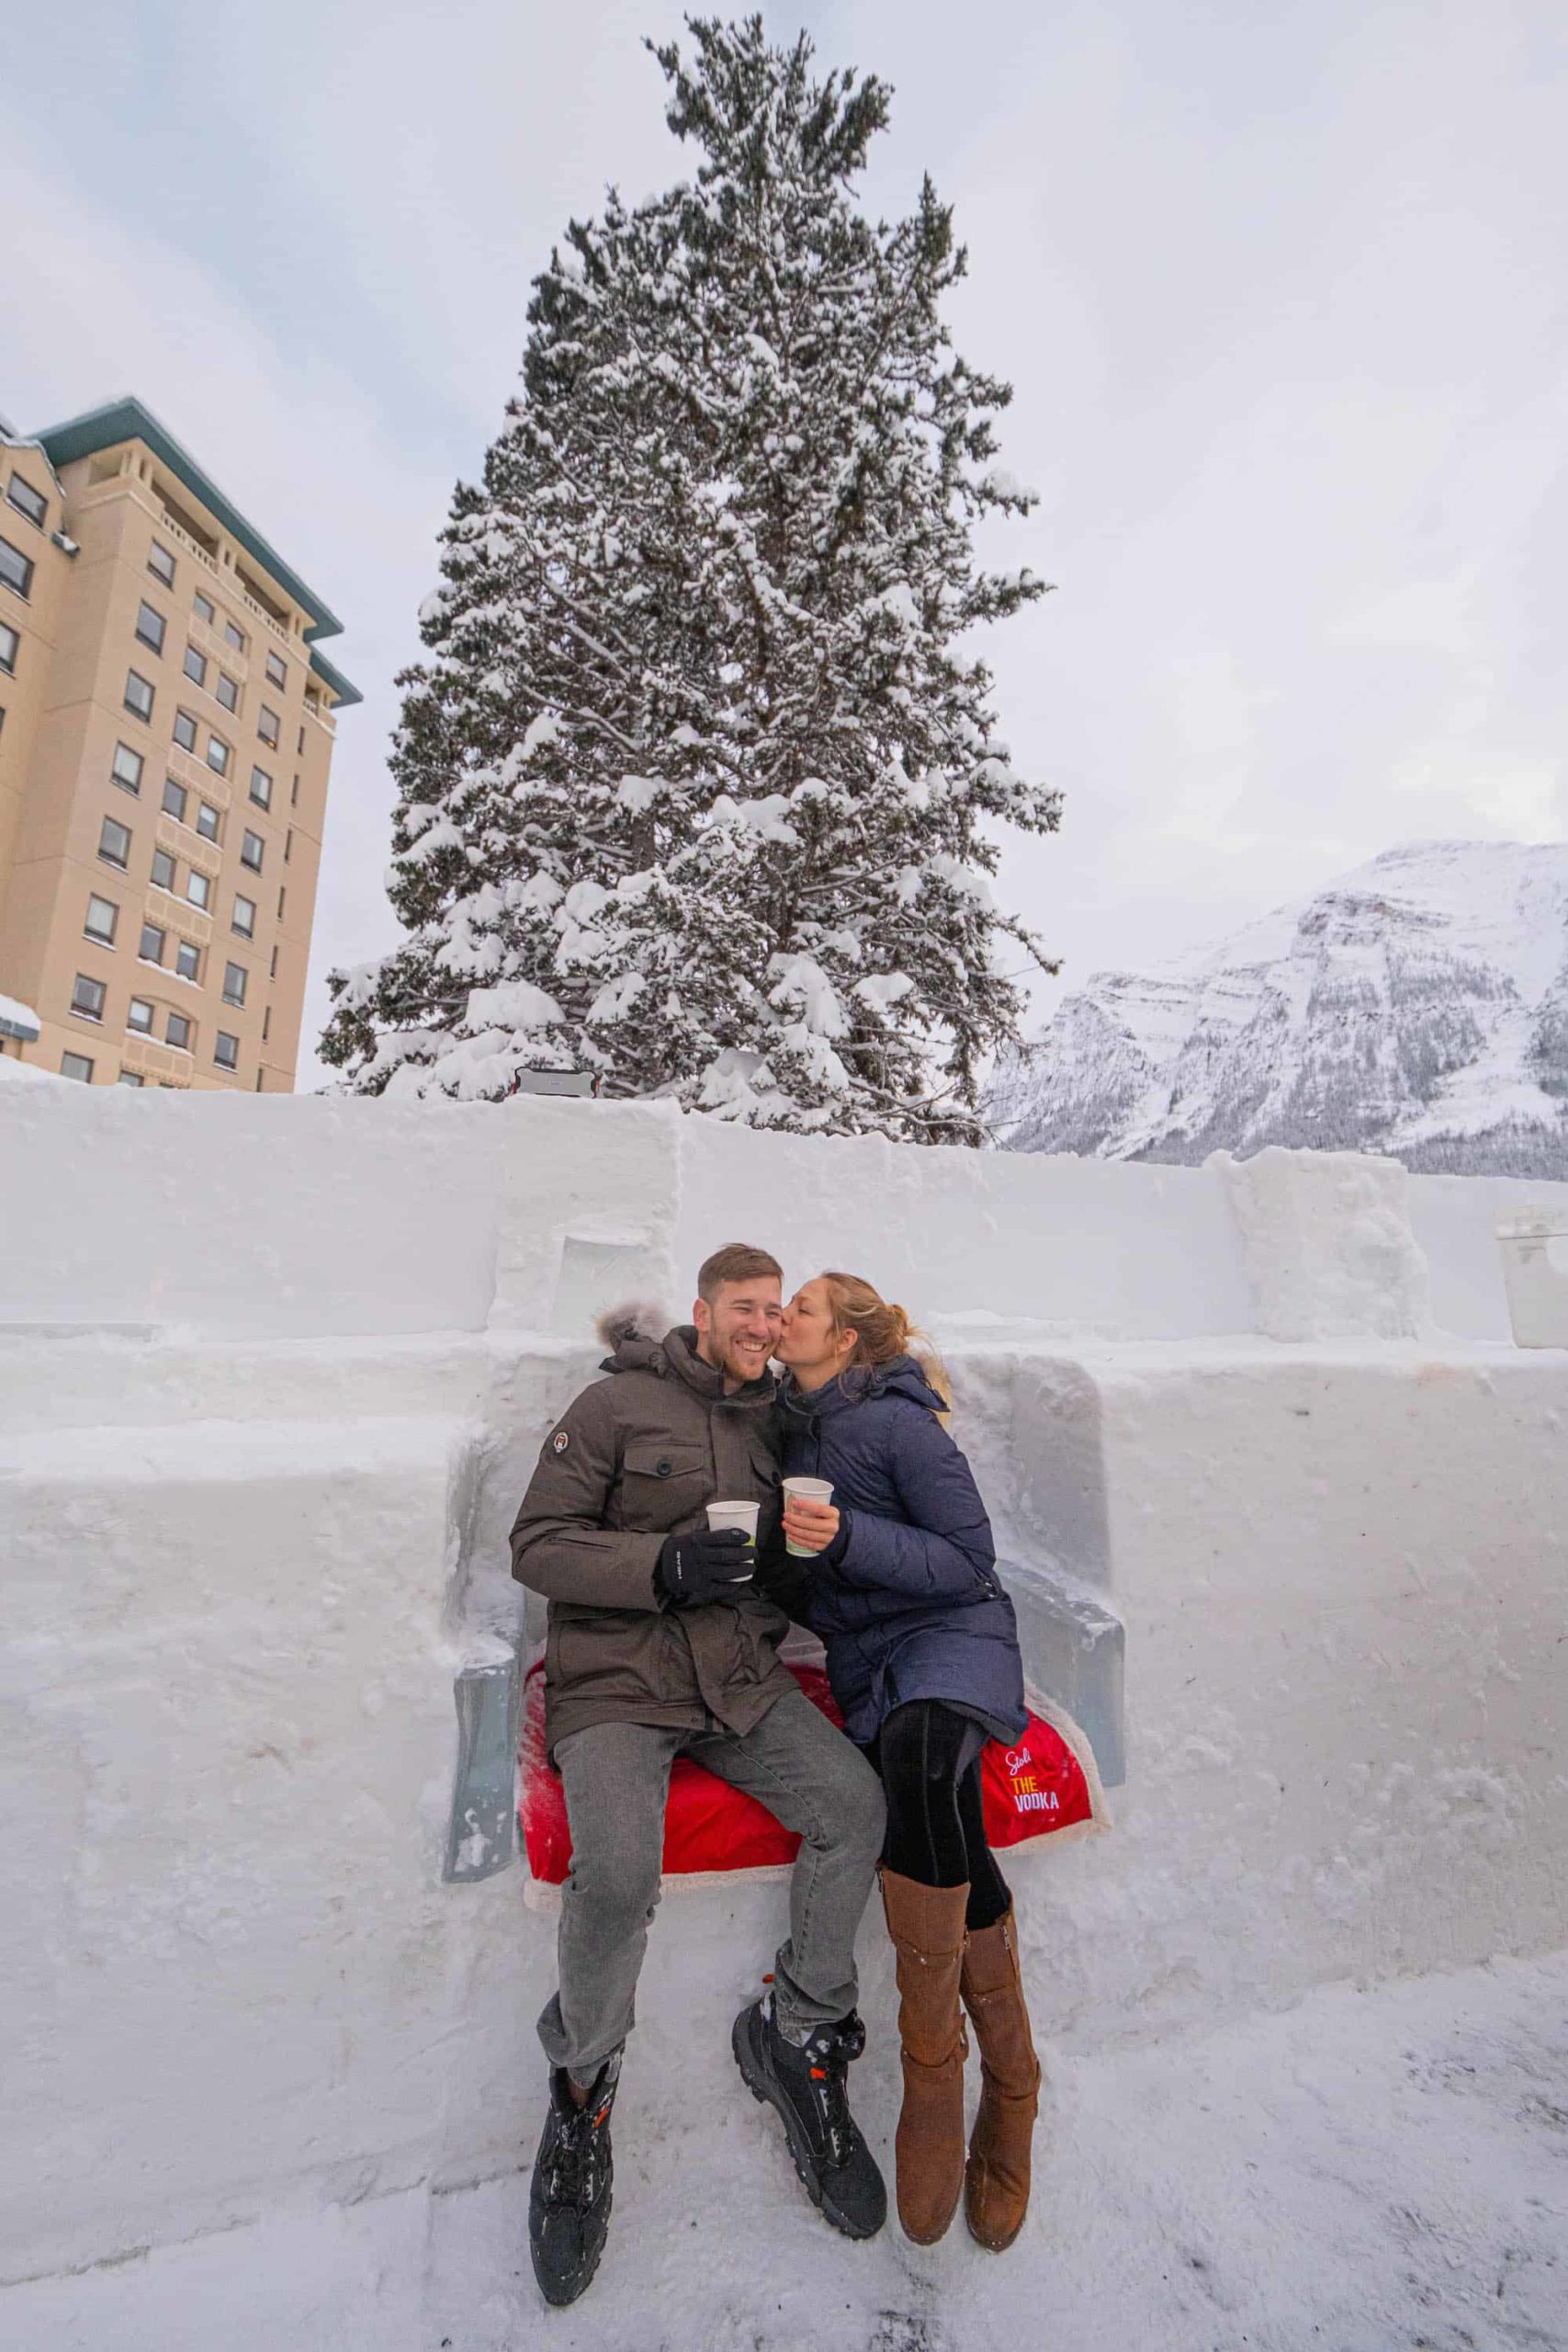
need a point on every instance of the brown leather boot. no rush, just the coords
(926, 1924)
(996, 2194)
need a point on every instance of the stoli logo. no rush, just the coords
(1017, 1758)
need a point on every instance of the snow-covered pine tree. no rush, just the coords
(694, 781)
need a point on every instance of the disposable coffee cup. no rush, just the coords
(740, 1515)
(810, 1491)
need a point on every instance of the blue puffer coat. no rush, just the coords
(908, 1604)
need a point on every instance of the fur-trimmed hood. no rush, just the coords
(639, 1318)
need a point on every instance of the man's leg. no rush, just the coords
(815, 1781)
(796, 2050)
(616, 1777)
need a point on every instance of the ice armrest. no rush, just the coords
(482, 1832)
(1073, 1651)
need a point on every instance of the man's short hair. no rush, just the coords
(736, 1262)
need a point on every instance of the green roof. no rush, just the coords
(344, 692)
(127, 420)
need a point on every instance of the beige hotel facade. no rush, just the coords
(167, 728)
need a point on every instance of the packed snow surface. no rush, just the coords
(1417, 1007)
(1368, 2172)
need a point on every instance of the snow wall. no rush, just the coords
(272, 1377)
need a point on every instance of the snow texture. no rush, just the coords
(1417, 1007)
(254, 1484)
(1374, 2171)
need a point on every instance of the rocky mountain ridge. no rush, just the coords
(1418, 1006)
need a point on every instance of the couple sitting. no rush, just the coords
(664, 1641)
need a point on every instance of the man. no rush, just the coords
(663, 1642)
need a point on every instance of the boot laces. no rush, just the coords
(571, 2177)
(828, 2056)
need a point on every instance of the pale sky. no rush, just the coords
(1280, 290)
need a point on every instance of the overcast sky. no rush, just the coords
(1280, 288)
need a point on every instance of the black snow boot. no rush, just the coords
(568, 2204)
(807, 2085)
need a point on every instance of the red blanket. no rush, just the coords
(1031, 1789)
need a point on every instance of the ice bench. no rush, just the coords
(1073, 1651)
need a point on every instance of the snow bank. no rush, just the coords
(297, 1216)
(272, 1377)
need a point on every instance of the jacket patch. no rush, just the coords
(560, 1440)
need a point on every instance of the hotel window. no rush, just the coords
(245, 916)
(163, 870)
(198, 889)
(288, 846)
(139, 1016)
(272, 968)
(137, 694)
(277, 669)
(10, 644)
(266, 1024)
(87, 998)
(175, 800)
(299, 747)
(294, 794)
(217, 755)
(234, 636)
(114, 842)
(176, 1029)
(28, 501)
(130, 1077)
(206, 820)
(196, 666)
(184, 730)
(251, 852)
(227, 691)
(151, 948)
(235, 977)
(187, 961)
(226, 1052)
(151, 626)
(267, 727)
(16, 569)
(103, 920)
(261, 787)
(76, 1066)
(206, 610)
(161, 564)
(281, 896)
(126, 768)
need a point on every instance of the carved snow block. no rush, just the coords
(1535, 1274)
(1328, 1246)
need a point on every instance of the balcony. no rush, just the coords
(178, 531)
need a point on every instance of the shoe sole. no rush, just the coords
(762, 2087)
(559, 2302)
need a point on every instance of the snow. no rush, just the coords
(255, 1482)
(27, 1073)
(18, 1017)
(1415, 1007)
(1373, 2168)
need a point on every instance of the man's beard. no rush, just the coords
(743, 1368)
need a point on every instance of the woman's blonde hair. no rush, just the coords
(882, 1331)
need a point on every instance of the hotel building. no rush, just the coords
(166, 727)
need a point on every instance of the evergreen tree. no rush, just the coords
(694, 782)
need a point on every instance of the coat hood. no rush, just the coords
(902, 1376)
(624, 1330)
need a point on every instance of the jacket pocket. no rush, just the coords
(664, 1483)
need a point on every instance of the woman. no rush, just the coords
(923, 1658)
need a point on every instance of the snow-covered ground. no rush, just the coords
(1370, 2171)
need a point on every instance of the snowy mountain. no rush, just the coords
(1417, 1007)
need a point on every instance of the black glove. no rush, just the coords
(707, 1564)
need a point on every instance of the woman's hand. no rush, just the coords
(813, 1525)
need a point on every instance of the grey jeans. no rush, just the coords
(616, 1776)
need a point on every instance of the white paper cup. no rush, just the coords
(810, 1491)
(740, 1515)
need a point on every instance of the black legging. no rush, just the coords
(928, 1757)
